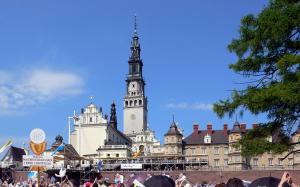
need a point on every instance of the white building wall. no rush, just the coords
(91, 131)
(134, 120)
(91, 137)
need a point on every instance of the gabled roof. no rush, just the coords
(14, 154)
(217, 137)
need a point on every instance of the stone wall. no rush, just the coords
(215, 177)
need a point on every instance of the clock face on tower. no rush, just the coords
(132, 116)
(132, 86)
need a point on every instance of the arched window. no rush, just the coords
(140, 102)
(126, 103)
(135, 102)
(130, 103)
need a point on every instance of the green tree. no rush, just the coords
(268, 56)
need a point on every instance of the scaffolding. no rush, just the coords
(156, 163)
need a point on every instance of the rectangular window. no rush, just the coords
(255, 162)
(270, 161)
(216, 162)
(117, 155)
(203, 150)
(226, 150)
(291, 161)
(216, 150)
(280, 161)
(225, 162)
(193, 151)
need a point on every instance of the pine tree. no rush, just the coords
(268, 56)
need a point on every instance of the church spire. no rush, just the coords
(135, 45)
(113, 115)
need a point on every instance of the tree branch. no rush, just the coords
(295, 151)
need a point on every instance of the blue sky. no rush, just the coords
(55, 54)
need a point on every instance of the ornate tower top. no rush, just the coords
(135, 45)
(173, 130)
(113, 115)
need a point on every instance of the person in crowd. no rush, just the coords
(5, 183)
(286, 178)
(221, 185)
(179, 180)
(119, 180)
(67, 182)
(235, 182)
(43, 182)
(101, 183)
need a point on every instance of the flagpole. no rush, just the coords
(69, 130)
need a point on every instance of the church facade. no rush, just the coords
(92, 130)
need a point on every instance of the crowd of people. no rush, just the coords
(138, 181)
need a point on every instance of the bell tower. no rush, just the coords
(135, 101)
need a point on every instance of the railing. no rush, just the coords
(156, 161)
(113, 147)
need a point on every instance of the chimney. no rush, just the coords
(254, 125)
(209, 129)
(243, 127)
(225, 129)
(196, 129)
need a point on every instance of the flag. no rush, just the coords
(8, 143)
(59, 149)
(100, 165)
(32, 175)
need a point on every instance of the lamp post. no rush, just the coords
(69, 125)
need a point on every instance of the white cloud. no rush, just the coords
(190, 106)
(37, 86)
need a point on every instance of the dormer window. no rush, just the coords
(207, 139)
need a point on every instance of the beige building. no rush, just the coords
(215, 148)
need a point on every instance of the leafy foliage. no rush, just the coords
(268, 55)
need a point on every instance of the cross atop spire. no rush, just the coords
(91, 99)
(135, 25)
